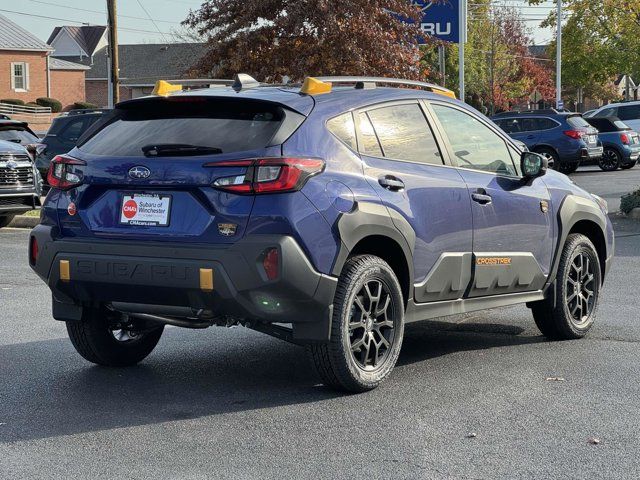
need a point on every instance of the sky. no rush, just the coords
(167, 15)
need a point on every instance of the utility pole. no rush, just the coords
(462, 27)
(559, 103)
(112, 19)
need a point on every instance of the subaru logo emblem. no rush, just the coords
(139, 173)
(12, 165)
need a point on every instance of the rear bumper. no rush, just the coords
(159, 274)
(582, 154)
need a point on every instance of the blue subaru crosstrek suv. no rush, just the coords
(564, 138)
(329, 215)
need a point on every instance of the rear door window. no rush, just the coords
(223, 125)
(72, 131)
(370, 145)
(342, 127)
(404, 134)
(545, 124)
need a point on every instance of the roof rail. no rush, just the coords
(372, 82)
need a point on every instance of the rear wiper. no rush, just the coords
(177, 150)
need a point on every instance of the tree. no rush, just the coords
(271, 39)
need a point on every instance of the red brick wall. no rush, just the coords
(37, 74)
(97, 92)
(68, 87)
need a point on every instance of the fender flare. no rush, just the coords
(372, 219)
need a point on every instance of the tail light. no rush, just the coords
(33, 251)
(624, 138)
(575, 134)
(61, 172)
(268, 175)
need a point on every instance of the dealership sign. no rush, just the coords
(440, 19)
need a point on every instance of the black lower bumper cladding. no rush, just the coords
(82, 273)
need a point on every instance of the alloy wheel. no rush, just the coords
(581, 289)
(609, 160)
(371, 328)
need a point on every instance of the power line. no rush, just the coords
(152, 21)
(100, 12)
(75, 21)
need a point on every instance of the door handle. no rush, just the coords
(391, 183)
(480, 196)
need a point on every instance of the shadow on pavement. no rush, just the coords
(47, 390)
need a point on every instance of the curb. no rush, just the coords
(22, 221)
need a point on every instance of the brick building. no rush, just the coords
(28, 72)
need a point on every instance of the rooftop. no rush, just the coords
(14, 37)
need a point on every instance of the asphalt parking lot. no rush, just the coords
(485, 398)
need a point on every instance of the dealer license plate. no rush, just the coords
(145, 209)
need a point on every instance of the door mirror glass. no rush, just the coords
(533, 165)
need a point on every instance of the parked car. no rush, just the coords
(19, 182)
(589, 113)
(621, 143)
(565, 139)
(17, 132)
(63, 134)
(628, 112)
(328, 215)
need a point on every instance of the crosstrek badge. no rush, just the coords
(145, 209)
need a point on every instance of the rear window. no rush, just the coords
(221, 124)
(621, 125)
(17, 135)
(578, 122)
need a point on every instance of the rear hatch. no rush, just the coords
(148, 169)
(588, 133)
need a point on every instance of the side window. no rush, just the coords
(629, 112)
(342, 127)
(474, 144)
(404, 134)
(607, 112)
(510, 125)
(370, 145)
(546, 124)
(72, 131)
(529, 124)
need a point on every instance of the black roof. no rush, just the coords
(86, 36)
(143, 64)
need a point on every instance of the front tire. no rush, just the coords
(367, 327)
(577, 289)
(610, 160)
(100, 340)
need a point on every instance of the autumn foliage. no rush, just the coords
(271, 39)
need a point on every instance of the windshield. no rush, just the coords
(17, 135)
(202, 127)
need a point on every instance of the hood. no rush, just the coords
(12, 148)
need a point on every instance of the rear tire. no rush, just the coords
(6, 220)
(96, 340)
(628, 166)
(577, 290)
(367, 327)
(610, 160)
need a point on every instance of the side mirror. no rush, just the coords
(533, 165)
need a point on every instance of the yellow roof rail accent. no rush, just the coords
(313, 86)
(443, 91)
(164, 88)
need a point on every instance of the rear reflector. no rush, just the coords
(65, 271)
(270, 263)
(206, 279)
(33, 251)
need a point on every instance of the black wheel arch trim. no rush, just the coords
(370, 219)
(574, 209)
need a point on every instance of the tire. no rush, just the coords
(610, 160)
(550, 155)
(363, 348)
(568, 168)
(560, 322)
(628, 166)
(94, 338)
(6, 220)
